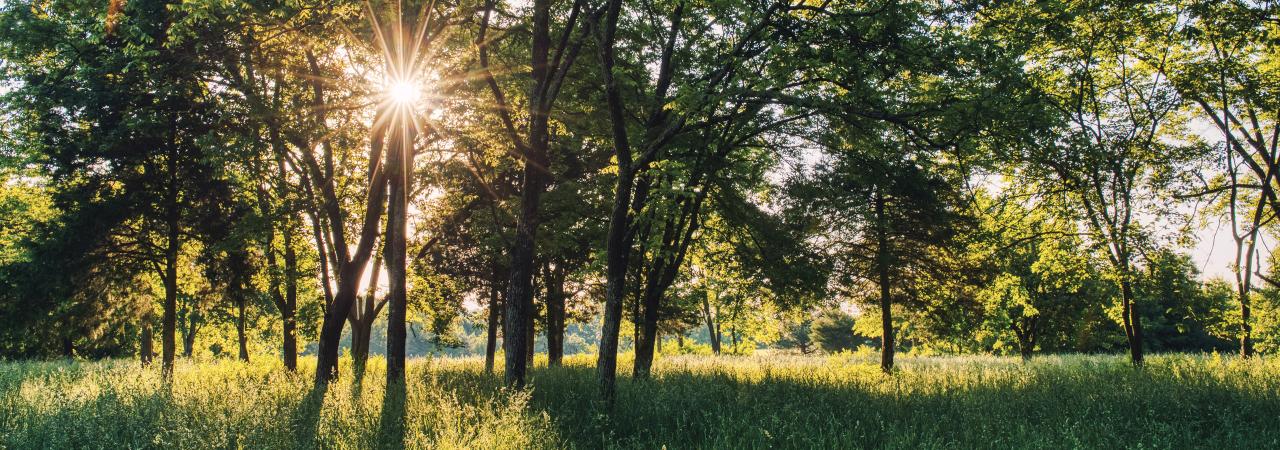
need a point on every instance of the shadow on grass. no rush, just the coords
(306, 418)
(1047, 407)
(391, 432)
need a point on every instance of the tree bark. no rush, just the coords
(288, 314)
(882, 267)
(519, 300)
(398, 174)
(713, 330)
(491, 334)
(1132, 319)
(555, 314)
(546, 76)
(645, 343)
(363, 313)
(241, 338)
(170, 320)
(193, 328)
(145, 352)
(1246, 330)
(1025, 346)
(531, 335)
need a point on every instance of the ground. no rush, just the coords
(764, 401)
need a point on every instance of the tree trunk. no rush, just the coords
(361, 319)
(189, 339)
(519, 299)
(288, 314)
(618, 243)
(1246, 330)
(531, 334)
(1025, 346)
(398, 172)
(241, 338)
(713, 330)
(645, 342)
(882, 266)
(555, 315)
(360, 331)
(491, 334)
(169, 321)
(1132, 320)
(145, 352)
(350, 271)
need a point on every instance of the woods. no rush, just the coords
(376, 184)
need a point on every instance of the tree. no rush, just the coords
(143, 159)
(1109, 156)
(697, 111)
(1223, 68)
(882, 214)
(533, 149)
(1041, 284)
(833, 332)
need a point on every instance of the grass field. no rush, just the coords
(1177, 401)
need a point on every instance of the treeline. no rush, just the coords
(966, 176)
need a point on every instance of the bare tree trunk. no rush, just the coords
(645, 342)
(531, 334)
(713, 330)
(170, 320)
(288, 314)
(555, 334)
(547, 77)
(1025, 346)
(618, 243)
(398, 173)
(555, 314)
(193, 328)
(145, 352)
(491, 338)
(363, 313)
(519, 299)
(1132, 320)
(882, 266)
(241, 338)
(1246, 330)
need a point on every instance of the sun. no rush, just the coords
(404, 93)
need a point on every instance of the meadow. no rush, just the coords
(763, 401)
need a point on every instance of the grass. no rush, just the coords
(1176, 401)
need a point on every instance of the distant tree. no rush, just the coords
(832, 331)
(882, 210)
(1181, 313)
(1040, 284)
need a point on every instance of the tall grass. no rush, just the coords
(1176, 401)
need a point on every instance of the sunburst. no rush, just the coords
(405, 57)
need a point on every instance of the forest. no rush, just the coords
(642, 224)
